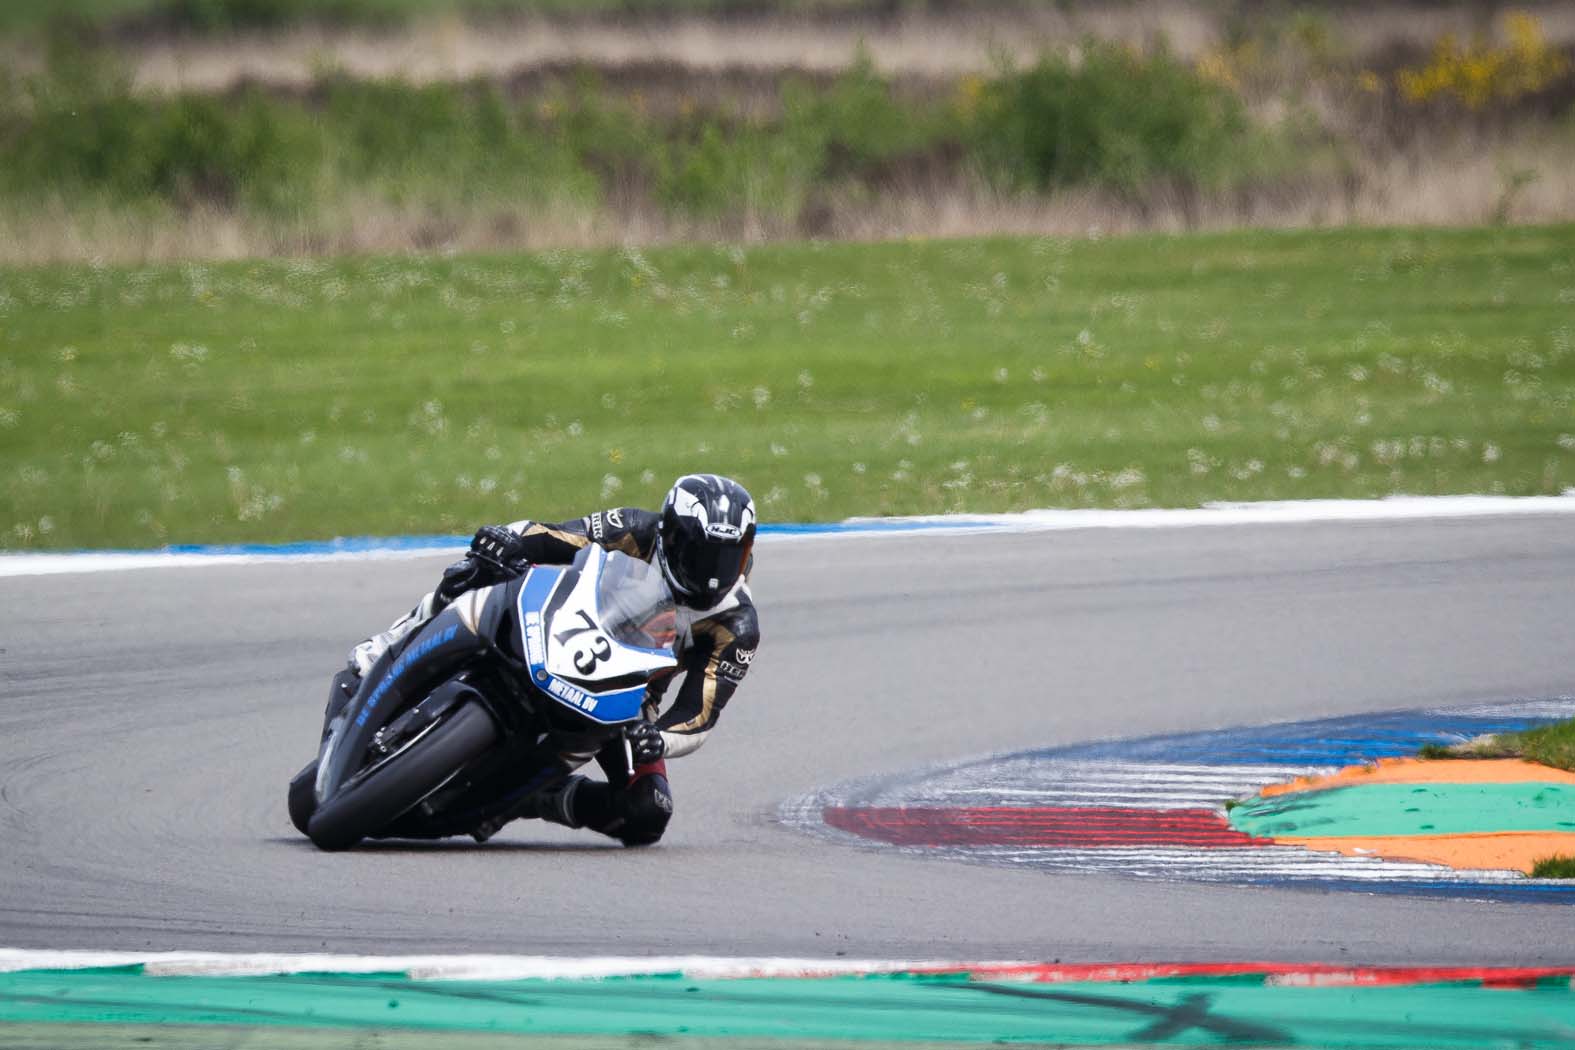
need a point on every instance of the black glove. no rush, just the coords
(498, 545)
(645, 743)
(465, 574)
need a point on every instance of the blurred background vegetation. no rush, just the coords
(477, 313)
(144, 129)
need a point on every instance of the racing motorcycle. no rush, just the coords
(504, 692)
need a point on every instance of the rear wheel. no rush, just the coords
(379, 794)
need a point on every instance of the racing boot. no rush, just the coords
(554, 804)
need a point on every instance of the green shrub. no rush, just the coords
(857, 121)
(610, 138)
(410, 138)
(712, 166)
(192, 149)
(741, 169)
(1116, 119)
(225, 152)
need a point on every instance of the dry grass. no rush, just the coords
(918, 44)
(1435, 183)
(915, 41)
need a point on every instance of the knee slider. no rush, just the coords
(647, 807)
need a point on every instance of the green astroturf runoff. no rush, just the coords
(884, 1009)
(1411, 809)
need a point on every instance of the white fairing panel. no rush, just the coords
(581, 650)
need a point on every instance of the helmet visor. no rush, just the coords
(707, 568)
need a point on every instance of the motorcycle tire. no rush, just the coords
(303, 796)
(374, 798)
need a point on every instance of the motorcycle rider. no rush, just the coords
(702, 540)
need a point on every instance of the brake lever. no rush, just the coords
(492, 563)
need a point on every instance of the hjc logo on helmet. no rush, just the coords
(723, 530)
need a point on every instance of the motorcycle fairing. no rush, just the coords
(560, 623)
(401, 678)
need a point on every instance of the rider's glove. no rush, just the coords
(498, 545)
(645, 743)
(461, 577)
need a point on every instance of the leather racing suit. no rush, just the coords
(716, 655)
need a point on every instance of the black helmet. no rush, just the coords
(707, 530)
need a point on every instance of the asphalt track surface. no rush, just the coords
(149, 721)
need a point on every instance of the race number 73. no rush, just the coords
(591, 653)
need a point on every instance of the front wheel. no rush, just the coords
(377, 795)
(303, 796)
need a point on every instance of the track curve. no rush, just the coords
(149, 721)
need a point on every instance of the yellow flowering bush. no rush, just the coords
(1219, 67)
(970, 89)
(1484, 73)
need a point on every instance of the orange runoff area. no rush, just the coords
(1429, 771)
(1501, 851)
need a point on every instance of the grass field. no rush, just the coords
(292, 400)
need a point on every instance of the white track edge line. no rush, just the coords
(1292, 512)
(463, 967)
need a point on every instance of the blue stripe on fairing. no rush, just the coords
(438, 543)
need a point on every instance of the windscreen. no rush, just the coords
(634, 604)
